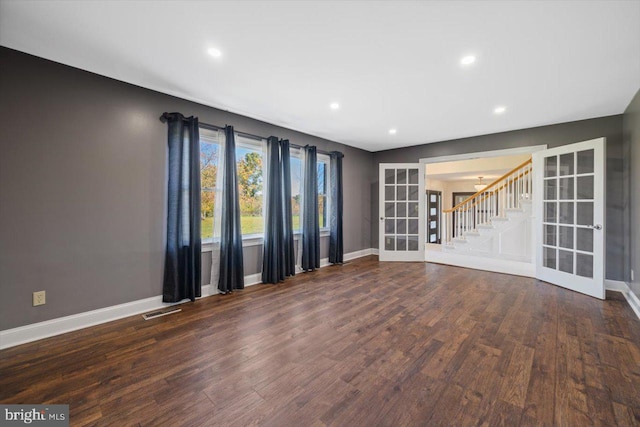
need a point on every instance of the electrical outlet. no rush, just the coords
(39, 298)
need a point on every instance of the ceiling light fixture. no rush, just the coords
(214, 52)
(334, 106)
(480, 186)
(468, 60)
(499, 110)
(392, 131)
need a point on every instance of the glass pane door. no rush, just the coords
(400, 214)
(571, 217)
(568, 204)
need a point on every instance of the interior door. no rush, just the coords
(434, 200)
(401, 235)
(570, 216)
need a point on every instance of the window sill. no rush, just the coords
(253, 240)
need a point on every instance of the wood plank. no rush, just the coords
(514, 386)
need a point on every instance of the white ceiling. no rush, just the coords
(389, 64)
(490, 168)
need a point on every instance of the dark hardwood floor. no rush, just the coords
(362, 344)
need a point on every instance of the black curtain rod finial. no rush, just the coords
(166, 116)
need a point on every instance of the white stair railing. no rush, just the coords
(488, 204)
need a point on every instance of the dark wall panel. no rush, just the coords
(631, 126)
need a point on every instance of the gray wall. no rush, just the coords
(553, 136)
(631, 130)
(82, 188)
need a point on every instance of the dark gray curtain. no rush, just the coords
(278, 258)
(310, 224)
(289, 251)
(273, 262)
(231, 262)
(183, 250)
(336, 248)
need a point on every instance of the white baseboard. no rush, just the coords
(253, 279)
(634, 302)
(350, 256)
(61, 325)
(360, 254)
(615, 285)
(623, 287)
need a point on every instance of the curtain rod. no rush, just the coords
(252, 136)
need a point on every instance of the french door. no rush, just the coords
(570, 216)
(401, 234)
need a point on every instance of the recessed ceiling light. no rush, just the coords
(468, 60)
(214, 52)
(392, 131)
(334, 106)
(499, 110)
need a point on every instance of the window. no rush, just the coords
(249, 163)
(209, 162)
(250, 155)
(323, 190)
(296, 188)
(249, 166)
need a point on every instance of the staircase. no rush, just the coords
(496, 221)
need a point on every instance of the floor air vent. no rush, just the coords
(160, 313)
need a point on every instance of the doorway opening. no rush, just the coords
(458, 180)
